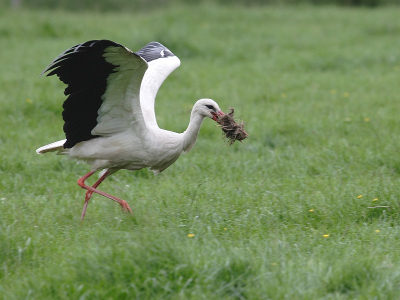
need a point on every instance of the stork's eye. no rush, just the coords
(211, 107)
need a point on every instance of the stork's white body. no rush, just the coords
(122, 132)
(157, 150)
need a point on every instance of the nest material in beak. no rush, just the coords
(234, 131)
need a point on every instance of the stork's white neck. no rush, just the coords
(158, 70)
(191, 133)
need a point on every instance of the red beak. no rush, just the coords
(217, 115)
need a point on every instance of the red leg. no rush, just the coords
(90, 193)
(92, 189)
(97, 183)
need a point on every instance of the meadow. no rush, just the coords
(306, 208)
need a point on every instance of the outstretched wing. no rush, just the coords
(103, 87)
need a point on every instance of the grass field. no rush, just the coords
(306, 208)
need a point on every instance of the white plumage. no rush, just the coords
(109, 115)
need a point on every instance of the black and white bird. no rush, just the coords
(109, 117)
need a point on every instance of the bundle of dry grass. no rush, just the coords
(234, 131)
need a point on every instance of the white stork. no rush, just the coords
(109, 118)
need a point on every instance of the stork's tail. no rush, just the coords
(56, 146)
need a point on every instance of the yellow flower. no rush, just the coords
(346, 94)
(376, 199)
(225, 228)
(190, 235)
(366, 119)
(311, 210)
(29, 100)
(360, 196)
(377, 231)
(325, 235)
(333, 92)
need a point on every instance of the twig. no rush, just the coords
(380, 207)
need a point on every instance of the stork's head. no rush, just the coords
(208, 108)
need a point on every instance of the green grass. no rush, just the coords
(319, 90)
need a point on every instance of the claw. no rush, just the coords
(125, 207)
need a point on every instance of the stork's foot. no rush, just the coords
(125, 207)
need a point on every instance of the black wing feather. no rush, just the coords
(153, 51)
(85, 71)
